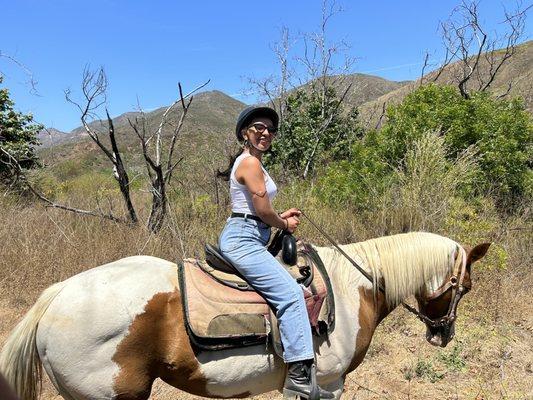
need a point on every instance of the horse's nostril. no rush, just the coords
(436, 340)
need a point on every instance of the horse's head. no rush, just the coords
(437, 308)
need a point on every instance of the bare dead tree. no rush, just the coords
(325, 66)
(94, 86)
(381, 115)
(274, 88)
(479, 55)
(321, 129)
(31, 81)
(424, 66)
(319, 57)
(159, 167)
(324, 72)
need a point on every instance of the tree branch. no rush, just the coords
(19, 174)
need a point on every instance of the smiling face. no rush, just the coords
(260, 140)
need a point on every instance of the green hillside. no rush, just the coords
(207, 136)
(208, 126)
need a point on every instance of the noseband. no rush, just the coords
(455, 283)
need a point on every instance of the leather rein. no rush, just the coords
(455, 283)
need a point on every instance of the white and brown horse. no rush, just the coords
(109, 332)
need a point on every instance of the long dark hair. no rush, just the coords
(225, 175)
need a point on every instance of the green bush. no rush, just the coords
(423, 369)
(357, 182)
(453, 359)
(417, 194)
(477, 220)
(18, 136)
(501, 130)
(302, 140)
(477, 147)
(69, 169)
(424, 186)
(90, 185)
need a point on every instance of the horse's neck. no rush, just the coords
(351, 285)
(357, 313)
(341, 271)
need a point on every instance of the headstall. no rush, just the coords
(455, 283)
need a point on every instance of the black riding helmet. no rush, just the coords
(251, 112)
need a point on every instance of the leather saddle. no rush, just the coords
(283, 244)
(223, 311)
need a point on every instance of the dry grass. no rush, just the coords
(494, 334)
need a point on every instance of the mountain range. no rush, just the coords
(213, 113)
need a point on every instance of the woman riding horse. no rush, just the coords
(245, 236)
(111, 331)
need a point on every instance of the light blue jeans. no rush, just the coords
(243, 242)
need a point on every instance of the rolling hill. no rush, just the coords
(209, 124)
(517, 71)
(208, 129)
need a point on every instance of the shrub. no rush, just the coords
(416, 194)
(425, 185)
(453, 359)
(502, 131)
(359, 181)
(18, 136)
(302, 140)
(423, 369)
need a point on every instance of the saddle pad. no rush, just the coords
(208, 299)
(218, 316)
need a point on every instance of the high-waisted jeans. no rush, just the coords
(243, 242)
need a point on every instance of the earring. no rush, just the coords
(246, 143)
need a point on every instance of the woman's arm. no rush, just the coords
(251, 175)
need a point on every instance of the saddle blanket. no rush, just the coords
(218, 316)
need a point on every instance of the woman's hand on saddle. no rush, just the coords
(291, 212)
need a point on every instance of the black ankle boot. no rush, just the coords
(301, 381)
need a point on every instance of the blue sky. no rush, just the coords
(147, 47)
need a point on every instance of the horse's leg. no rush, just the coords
(135, 382)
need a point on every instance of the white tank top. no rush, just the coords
(241, 199)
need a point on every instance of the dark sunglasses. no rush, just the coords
(260, 128)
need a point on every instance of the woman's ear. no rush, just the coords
(244, 134)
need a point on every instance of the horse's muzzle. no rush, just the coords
(441, 335)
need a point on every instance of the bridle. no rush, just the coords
(455, 283)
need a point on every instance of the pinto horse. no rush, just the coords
(109, 332)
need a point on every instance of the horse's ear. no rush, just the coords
(477, 253)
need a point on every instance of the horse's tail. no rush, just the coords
(19, 359)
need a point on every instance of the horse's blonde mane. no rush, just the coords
(405, 262)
